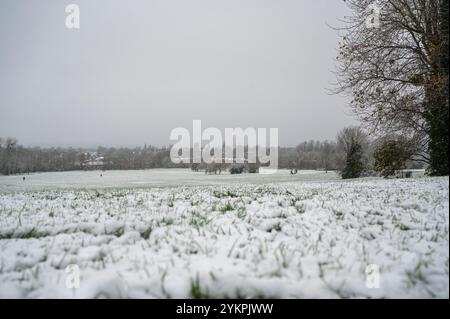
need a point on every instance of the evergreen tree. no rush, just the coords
(437, 97)
(390, 157)
(354, 164)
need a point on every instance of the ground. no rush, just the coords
(179, 234)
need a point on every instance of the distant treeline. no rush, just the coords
(17, 159)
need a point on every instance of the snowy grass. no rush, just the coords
(148, 178)
(281, 240)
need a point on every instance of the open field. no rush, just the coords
(176, 234)
(149, 178)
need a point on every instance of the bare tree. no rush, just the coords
(346, 141)
(393, 66)
(9, 156)
(326, 153)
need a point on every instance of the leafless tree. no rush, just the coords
(393, 56)
(346, 138)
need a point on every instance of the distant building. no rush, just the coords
(93, 161)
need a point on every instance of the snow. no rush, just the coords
(278, 236)
(147, 178)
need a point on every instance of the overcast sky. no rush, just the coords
(136, 69)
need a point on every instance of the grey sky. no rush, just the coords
(137, 69)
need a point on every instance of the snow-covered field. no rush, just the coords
(189, 235)
(149, 178)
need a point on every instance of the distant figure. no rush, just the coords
(23, 178)
(294, 171)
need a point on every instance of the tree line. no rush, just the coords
(309, 155)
